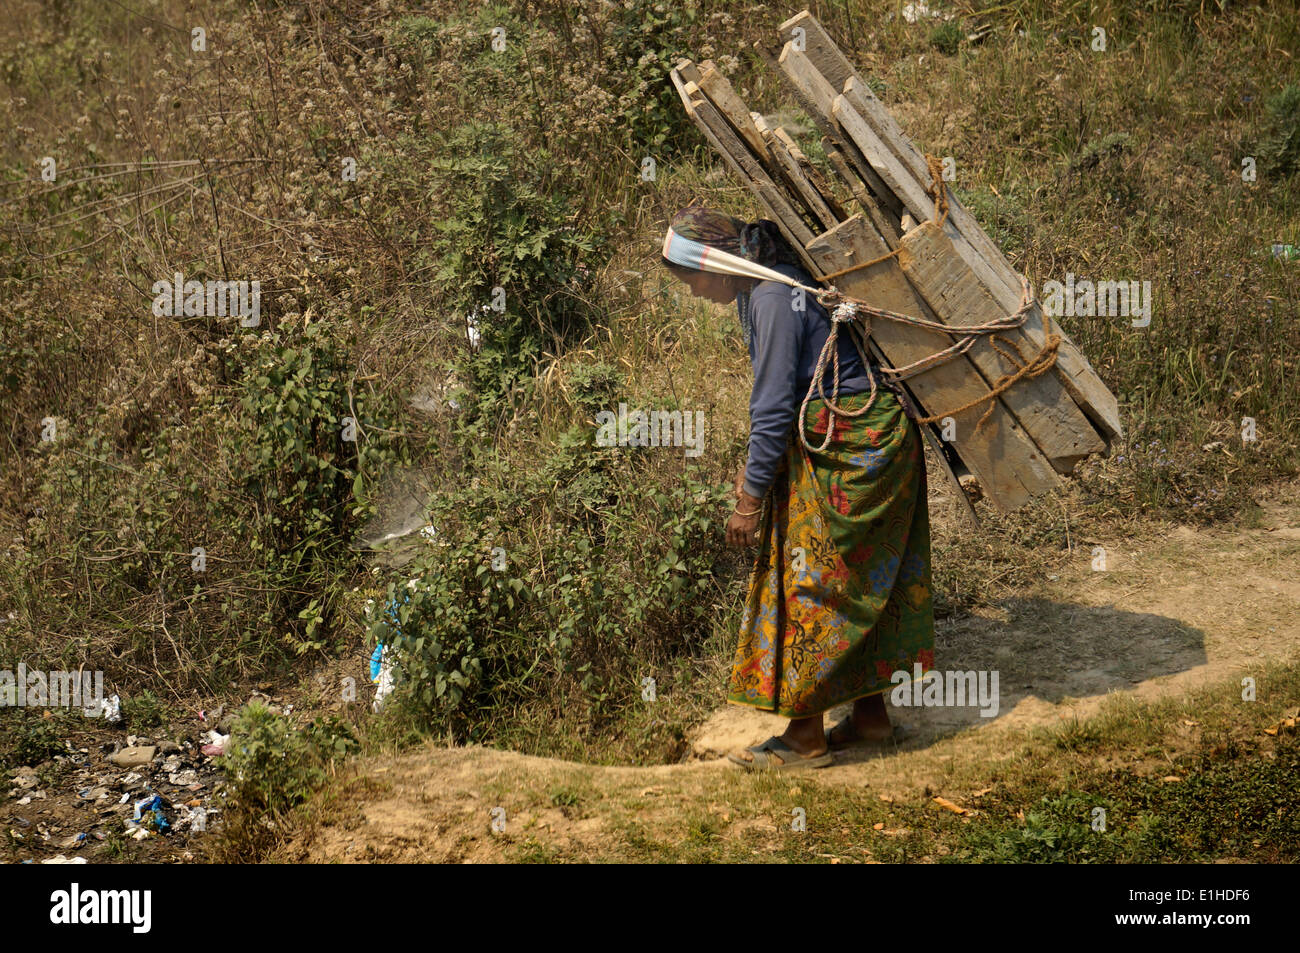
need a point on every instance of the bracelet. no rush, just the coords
(738, 512)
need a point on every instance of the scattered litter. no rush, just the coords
(110, 709)
(150, 809)
(216, 745)
(133, 757)
(381, 674)
(471, 329)
(60, 859)
(916, 12)
(1286, 252)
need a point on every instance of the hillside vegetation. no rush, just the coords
(380, 169)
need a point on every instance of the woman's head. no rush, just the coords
(760, 242)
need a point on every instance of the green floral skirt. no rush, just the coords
(840, 595)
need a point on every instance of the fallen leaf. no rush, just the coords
(1190, 723)
(1169, 778)
(947, 805)
(887, 799)
(981, 793)
(878, 827)
(1270, 731)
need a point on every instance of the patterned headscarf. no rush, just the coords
(760, 242)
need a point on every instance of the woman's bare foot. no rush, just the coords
(803, 735)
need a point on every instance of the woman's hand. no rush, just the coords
(741, 529)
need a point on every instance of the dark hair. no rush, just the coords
(762, 242)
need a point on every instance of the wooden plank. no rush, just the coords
(1002, 456)
(1074, 369)
(868, 204)
(885, 164)
(983, 257)
(750, 128)
(813, 174)
(686, 72)
(835, 67)
(749, 171)
(816, 96)
(734, 110)
(1040, 404)
(795, 177)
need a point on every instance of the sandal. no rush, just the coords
(789, 759)
(845, 725)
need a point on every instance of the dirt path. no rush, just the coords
(1176, 608)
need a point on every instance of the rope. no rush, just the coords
(847, 309)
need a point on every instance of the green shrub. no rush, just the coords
(947, 37)
(39, 740)
(508, 224)
(616, 578)
(145, 710)
(1280, 148)
(270, 765)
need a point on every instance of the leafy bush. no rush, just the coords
(507, 225)
(611, 580)
(947, 37)
(145, 710)
(270, 765)
(39, 740)
(1280, 149)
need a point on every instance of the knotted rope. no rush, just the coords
(847, 309)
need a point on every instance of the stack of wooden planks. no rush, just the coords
(1035, 430)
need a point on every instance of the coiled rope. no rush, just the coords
(847, 310)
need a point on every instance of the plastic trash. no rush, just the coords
(150, 809)
(60, 859)
(216, 745)
(381, 675)
(1286, 252)
(381, 662)
(110, 709)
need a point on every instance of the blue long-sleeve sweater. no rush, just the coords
(783, 350)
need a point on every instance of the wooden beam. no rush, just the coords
(882, 161)
(1010, 468)
(864, 199)
(817, 97)
(734, 110)
(813, 174)
(750, 172)
(980, 251)
(795, 177)
(1040, 404)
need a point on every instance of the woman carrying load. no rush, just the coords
(839, 598)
